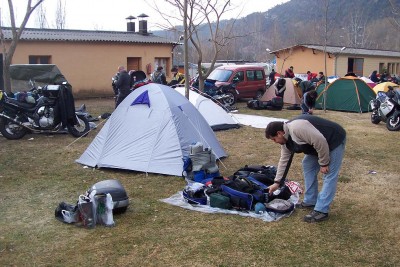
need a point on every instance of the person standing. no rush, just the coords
(123, 85)
(272, 77)
(158, 76)
(289, 73)
(323, 143)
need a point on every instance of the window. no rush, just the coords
(39, 59)
(250, 75)
(259, 75)
(356, 65)
(163, 62)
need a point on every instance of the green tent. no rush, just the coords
(345, 94)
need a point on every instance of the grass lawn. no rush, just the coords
(39, 171)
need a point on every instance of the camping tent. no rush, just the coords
(384, 86)
(346, 94)
(291, 96)
(150, 131)
(368, 81)
(216, 116)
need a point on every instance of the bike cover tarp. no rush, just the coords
(42, 73)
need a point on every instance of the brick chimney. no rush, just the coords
(130, 26)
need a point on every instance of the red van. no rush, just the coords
(249, 80)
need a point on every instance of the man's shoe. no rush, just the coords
(316, 216)
(303, 205)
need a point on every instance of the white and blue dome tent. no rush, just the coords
(151, 131)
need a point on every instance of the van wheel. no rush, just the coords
(259, 94)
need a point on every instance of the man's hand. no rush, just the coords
(273, 188)
(324, 170)
(310, 111)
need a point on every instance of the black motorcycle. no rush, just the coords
(386, 108)
(53, 110)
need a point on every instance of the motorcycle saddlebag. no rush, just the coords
(117, 192)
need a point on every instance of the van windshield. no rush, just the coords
(220, 75)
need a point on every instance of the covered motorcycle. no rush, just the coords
(52, 110)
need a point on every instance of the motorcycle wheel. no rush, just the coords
(81, 128)
(393, 123)
(11, 130)
(230, 98)
(375, 118)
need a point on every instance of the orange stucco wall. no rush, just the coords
(89, 66)
(303, 60)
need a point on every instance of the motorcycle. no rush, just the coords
(226, 95)
(53, 110)
(386, 107)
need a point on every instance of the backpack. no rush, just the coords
(244, 193)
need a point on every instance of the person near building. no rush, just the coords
(177, 77)
(323, 143)
(272, 77)
(158, 76)
(311, 76)
(374, 77)
(289, 73)
(123, 85)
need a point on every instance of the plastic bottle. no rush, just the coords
(109, 221)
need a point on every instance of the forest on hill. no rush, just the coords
(357, 23)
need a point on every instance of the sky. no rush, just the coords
(111, 14)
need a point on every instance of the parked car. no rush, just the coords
(249, 80)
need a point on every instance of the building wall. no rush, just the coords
(304, 59)
(89, 66)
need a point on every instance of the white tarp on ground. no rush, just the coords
(178, 200)
(254, 120)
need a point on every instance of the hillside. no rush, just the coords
(356, 23)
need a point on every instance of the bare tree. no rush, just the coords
(8, 53)
(60, 15)
(396, 12)
(199, 14)
(41, 19)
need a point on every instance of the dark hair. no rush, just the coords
(313, 93)
(159, 68)
(321, 73)
(308, 72)
(174, 69)
(273, 128)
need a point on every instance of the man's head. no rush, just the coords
(121, 68)
(159, 68)
(275, 132)
(174, 69)
(291, 67)
(308, 72)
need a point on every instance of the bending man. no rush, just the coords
(323, 143)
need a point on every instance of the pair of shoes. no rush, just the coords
(316, 216)
(303, 205)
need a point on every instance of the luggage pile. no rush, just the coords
(245, 190)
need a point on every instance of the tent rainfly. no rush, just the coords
(150, 131)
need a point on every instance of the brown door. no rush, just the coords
(133, 63)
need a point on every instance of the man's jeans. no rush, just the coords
(323, 199)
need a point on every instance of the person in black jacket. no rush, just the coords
(272, 77)
(123, 84)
